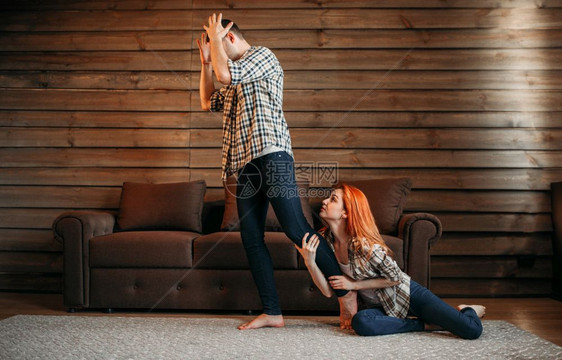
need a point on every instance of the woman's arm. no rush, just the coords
(379, 260)
(308, 252)
(375, 284)
(319, 279)
(345, 283)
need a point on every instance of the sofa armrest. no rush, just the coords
(419, 232)
(74, 229)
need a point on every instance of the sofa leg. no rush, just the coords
(71, 310)
(108, 310)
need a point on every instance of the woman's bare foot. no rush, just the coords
(348, 308)
(264, 320)
(480, 310)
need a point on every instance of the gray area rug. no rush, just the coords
(113, 337)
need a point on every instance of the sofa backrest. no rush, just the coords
(211, 218)
(213, 212)
(386, 197)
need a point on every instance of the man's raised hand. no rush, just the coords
(204, 49)
(215, 30)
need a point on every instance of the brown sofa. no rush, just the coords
(107, 267)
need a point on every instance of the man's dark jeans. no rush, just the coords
(271, 178)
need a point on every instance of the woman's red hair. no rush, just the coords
(361, 224)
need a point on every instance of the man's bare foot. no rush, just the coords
(348, 308)
(264, 320)
(480, 310)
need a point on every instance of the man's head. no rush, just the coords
(234, 43)
(234, 29)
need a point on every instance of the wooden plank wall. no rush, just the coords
(462, 96)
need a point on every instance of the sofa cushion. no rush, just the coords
(143, 249)
(387, 198)
(224, 250)
(230, 220)
(172, 206)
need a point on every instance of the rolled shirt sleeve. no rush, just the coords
(217, 100)
(258, 65)
(387, 267)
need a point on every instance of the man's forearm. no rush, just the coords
(320, 280)
(220, 62)
(206, 86)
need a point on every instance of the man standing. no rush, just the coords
(257, 151)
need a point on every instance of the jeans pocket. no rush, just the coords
(274, 155)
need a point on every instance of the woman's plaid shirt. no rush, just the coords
(252, 108)
(395, 300)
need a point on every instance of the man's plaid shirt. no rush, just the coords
(252, 108)
(395, 300)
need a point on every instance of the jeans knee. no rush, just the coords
(296, 232)
(363, 324)
(358, 323)
(474, 330)
(473, 333)
(293, 235)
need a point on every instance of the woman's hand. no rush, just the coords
(204, 49)
(342, 282)
(308, 249)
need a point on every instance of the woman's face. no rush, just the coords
(332, 207)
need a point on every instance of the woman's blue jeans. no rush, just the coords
(265, 179)
(428, 308)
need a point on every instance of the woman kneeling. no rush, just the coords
(392, 297)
